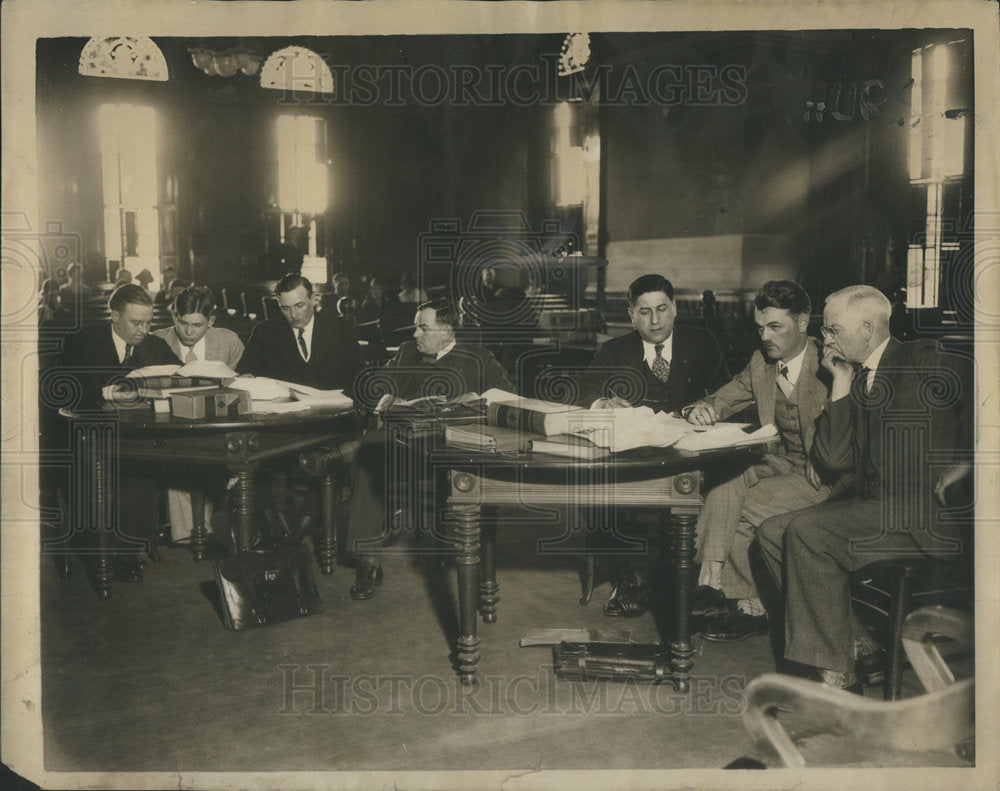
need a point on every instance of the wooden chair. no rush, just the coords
(890, 589)
(935, 729)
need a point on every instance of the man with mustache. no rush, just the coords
(899, 426)
(789, 388)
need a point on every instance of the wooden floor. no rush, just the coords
(152, 681)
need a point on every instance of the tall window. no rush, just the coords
(303, 187)
(937, 165)
(570, 171)
(128, 169)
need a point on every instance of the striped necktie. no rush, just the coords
(302, 345)
(127, 359)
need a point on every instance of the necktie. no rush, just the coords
(661, 368)
(302, 345)
(191, 356)
(127, 359)
(869, 472)
(784, 383)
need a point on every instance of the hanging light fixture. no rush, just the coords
(574, 53)
(225, 62)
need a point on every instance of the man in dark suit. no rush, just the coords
(303, 346)
(99, 355)
(660, 364)
(434, 363)
(900, 426)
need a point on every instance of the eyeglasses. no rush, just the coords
(831, 332)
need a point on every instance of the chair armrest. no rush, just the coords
(918, 632)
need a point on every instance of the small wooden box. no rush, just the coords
(217, 402)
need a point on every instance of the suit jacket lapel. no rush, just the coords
(767, 392)
(107, 354)
(812, 394)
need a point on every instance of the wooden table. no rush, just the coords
(646, 477)
(104, 439)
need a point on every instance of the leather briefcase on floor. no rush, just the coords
(612, 661)
(260, 588)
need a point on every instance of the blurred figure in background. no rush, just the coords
(409, 292)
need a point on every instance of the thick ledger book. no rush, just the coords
(488, 439)
(536, 421)
(569, 445)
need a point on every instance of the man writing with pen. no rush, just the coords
(662, 365)
(789, 387)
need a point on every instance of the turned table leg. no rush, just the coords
(327, 554)
(199, 534)
(681, 652)
(102, 576)
(466, 521)
(245, 505)
(488, 587)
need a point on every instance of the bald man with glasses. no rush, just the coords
(899, 424)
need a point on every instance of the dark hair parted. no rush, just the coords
(128, 294)
(648, 283)
(444, 311)
(292, 281)
(194, 299)
(783, 294)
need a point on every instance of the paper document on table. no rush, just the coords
(727, 435)
(207, 369)
(262, 388)
(279, 407)
(316, 397)
(497, 396)
(149, 371)
(624, 429)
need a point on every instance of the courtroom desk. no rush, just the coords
(105, 439)
(645, 477)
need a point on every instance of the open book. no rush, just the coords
(159, 382)
(199, 369)
(275, 395)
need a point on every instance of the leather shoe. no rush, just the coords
(733, 626)
(857, 688)
(707, 601)
(628, 602)
(366, 581)
(871, 668)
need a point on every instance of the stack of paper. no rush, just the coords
(315, 397)
(624, 429)
(727, 435)
(262, 388)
